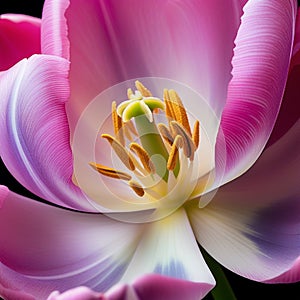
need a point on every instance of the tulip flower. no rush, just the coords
(148, 128)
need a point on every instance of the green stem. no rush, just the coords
(222, 290)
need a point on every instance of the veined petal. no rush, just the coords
(45, 248)
(54, 31)
(260, 68)
(34, 136)
(168, 248)
(19, 38)
(258, 245)
(289, 112)
(113, 41)
(252, 225)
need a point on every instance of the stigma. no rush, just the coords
(156, 155)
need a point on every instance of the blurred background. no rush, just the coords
(244, 289)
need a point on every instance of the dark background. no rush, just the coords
(243, 288)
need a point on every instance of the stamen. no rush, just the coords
(129, 93)
(169, 109)
(120, 151)
(179, 111)
(188, 144)
(139, 169)
(109, 172)
(165, 133)
(144, 157)
(196, 134)
(117, 123)
(138, 189)
(142, 89)
(173, 156)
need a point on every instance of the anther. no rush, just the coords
(173, 156)
(179, 111)
(138, 189)
(117, 123)
(120, 151)
(143, 156)
(196, 134)
(129, 93)
(109, 172)
(165, 133)
(169, 108)
(188, 144)
(142, 89)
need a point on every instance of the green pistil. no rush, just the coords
(141, 109)
(139, 106)
(153, 144)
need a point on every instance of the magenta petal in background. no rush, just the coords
(19, 38)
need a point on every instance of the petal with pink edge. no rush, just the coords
(252, 225)
(292, 275)
(289, 112)
(113, 41)
(34, 129)
(260, 68)
(19, 38)
(45, 248)
(168, 248)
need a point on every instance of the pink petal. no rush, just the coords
(148, 287)
(54, 32)
(35, 143)
(290, 109)
(260, 68)
(79, 293)
(19, 38)
(113, 41)
(155, 286)
(45, 248)
(252, 224)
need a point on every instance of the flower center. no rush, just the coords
(175, 143)
(150, 156)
